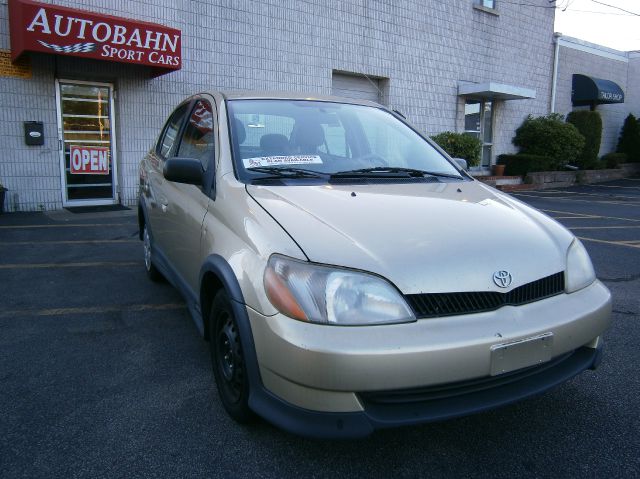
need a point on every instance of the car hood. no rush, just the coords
(423, 237)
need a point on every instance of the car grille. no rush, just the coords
(431, 305)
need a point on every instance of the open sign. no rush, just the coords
(89, 160)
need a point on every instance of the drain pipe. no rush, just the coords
(556, 40)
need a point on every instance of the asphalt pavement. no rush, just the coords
(103, 373)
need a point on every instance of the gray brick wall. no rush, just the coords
(424, 48)
(614, 66)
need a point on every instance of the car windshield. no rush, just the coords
(302, 139)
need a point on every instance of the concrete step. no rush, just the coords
(500, 180)
(520, 187)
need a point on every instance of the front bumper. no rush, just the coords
(327, 381)
(310, 423)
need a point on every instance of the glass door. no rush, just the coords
(478, 122)
(87, 143)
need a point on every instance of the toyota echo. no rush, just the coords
(349, 275)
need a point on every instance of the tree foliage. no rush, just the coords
(629, 141)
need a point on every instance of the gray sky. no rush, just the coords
(596, 23)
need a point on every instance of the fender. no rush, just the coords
(217, 265)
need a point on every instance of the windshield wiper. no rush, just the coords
(392, 172)
(287, 172)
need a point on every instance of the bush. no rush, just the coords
(521, 164)
(589, 124)
(613, 160)
(460, 145)
(629, 141)
(551, 137)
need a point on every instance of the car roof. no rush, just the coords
(286, 95)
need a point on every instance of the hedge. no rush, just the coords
(613, 160)
(460, 145)
(589, 124)
(551, 137)
(521, 164)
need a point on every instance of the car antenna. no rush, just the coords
(381, 95)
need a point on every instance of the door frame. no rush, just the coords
(61, 147)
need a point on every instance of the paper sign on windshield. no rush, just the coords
(281, 160)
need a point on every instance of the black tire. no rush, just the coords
(227, 360)
(152, 271)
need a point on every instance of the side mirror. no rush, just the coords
(462, 163)
(183, 170)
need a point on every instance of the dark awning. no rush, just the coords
(595, 91)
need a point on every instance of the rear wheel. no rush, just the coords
(228, 360)
(152, 271)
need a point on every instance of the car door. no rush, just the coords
(187, 204)
(157, 185)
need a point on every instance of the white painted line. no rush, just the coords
(96, 264)
(615, 243)
(91, 310)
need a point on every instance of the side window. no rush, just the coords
(171, 130)
(198, 141)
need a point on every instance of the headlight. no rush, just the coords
(324, 294)
(579, 273)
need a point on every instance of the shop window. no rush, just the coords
(478, 122)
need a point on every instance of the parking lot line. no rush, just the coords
(617, 187)
(573, 215)
(603, 227)
(580, 215)
(583, 193)
(65, 225)
(69, 265)
(27, 243)
(571, 200)
(616, 243)
(92, 310)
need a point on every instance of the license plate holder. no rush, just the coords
(507, 357)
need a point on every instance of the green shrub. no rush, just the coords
(549, 136)
(589, 124)
(629, 141)
(460, 145)
(613, 160)
(521, 164)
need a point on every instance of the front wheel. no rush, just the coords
(150, 268)
(228, 360)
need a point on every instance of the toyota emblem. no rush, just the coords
(502, 279)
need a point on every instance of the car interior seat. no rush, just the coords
(306, 137)
(274, 144)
